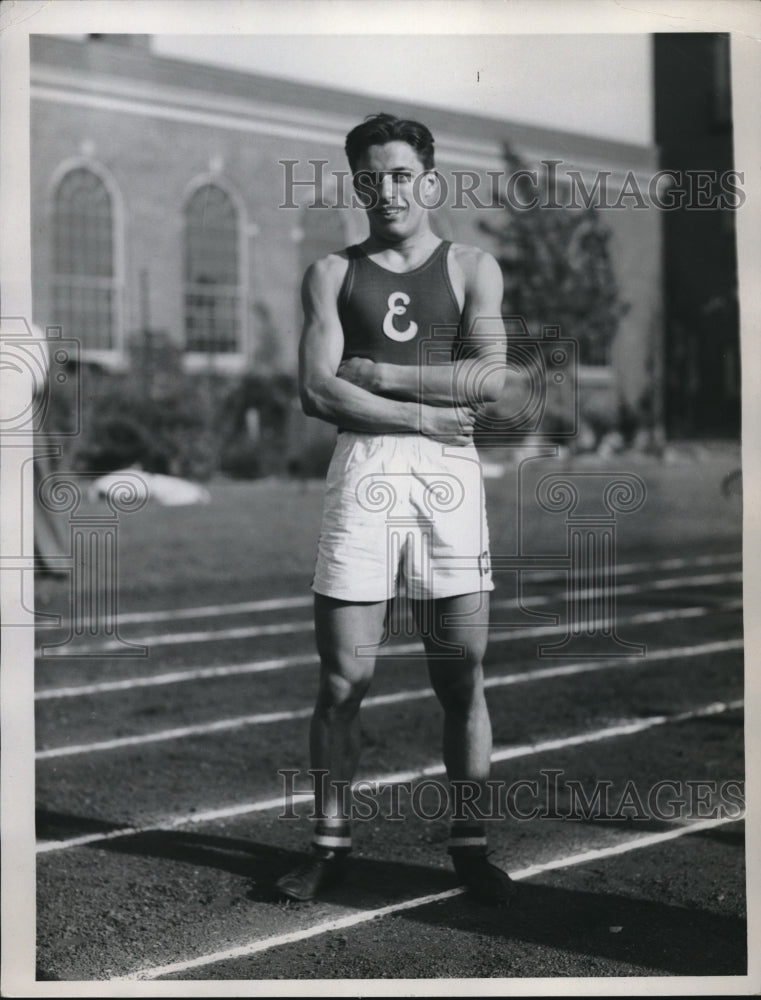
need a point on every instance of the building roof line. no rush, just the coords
(99, 58)
(175, 103)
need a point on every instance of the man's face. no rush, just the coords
(394, 187)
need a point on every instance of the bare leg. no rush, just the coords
(458, 683)
(345, 675)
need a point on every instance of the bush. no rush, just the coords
(271, 396)
(172, 435)
(118, 442)
(155, 416)
(167, 421)
(241, 458)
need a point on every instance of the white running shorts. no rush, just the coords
(403, 514)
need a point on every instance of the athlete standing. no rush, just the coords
(378, 319)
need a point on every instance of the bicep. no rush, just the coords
(483, 325)
(322, 340)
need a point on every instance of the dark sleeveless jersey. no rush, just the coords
(405, 319)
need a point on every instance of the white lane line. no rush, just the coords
(590, 666)
(624, 728)
(310, 659)
(293, 628)
(645, 840)
(180, 676)
(281, 603)
(632, 843)
(672, 583)
(174, 823)
(266, 718)
(278, 940)
(719, 559)
(183, 638)
(643, 617)
(218, 610)
(708, 579)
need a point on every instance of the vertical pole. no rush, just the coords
(145, 304)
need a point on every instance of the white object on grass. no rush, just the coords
(170, 491)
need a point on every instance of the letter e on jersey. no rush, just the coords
(397, 306)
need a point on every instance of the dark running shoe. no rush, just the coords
(311, 878)
(483, 880)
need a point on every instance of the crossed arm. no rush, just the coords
(435, 400)
(477, 377)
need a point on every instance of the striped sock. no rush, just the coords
(332, 836)
(467, 838)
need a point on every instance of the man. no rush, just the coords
(378, 320)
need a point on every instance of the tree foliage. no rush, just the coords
(557, 266)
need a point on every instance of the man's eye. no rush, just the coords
(402, 178)
(365, 179)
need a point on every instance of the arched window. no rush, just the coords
(212, 272)
(84, 282)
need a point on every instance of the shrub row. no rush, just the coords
(157, 417)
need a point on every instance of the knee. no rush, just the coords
(341, 690)
(461, 691)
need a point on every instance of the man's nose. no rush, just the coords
(386, 187)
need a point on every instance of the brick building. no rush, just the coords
(159, 200)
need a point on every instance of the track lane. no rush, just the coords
(287, 603)
(723, 675)
(296, 627)
(214, 883)
(391, 698)
(352, 920)
(277, 802)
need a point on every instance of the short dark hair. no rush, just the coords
(376, 130)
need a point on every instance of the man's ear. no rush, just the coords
(430, 187)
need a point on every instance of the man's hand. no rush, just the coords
(448, 424)
(360, 371)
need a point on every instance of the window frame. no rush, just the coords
(223, 361)
(112, 355)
